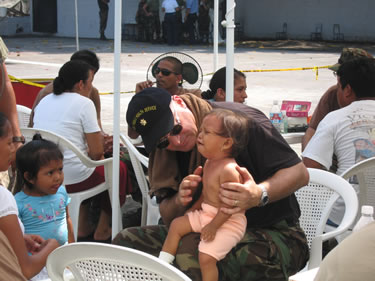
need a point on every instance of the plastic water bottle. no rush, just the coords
(276, 116)
(366, 217)
(284, 123)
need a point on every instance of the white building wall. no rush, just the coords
(262, 19)
(88, 17)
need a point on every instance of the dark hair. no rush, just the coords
(3, 125)
(69, 74)
(218, 81)
(32, 156)
(235, 125)
(87, 56)
(360, 75)
(177, 64)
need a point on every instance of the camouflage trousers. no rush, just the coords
(263, 254)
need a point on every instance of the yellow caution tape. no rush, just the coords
(27, 82)
(315, 69)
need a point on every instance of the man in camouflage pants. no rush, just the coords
(151, 9)
(274, 245)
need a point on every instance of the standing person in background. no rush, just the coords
(216, 91)
(191, 18)
(103, 16)
(151, 9)
(204, 21)
(170, 7)
(141, 20)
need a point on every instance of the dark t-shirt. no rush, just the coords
(266, 153)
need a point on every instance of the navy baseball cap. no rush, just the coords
(150, 116)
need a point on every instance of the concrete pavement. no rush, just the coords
(41, 57)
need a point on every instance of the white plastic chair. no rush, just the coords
(23, 113)
(364, 173)
(78, 197)
(97, 261)
(361, 175)
(316, 201)
(150, 209)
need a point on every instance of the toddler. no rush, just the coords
(42, 202)
(222, 136)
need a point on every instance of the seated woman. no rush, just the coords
(68, 112)
(217, 85)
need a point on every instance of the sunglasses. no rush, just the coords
(164, 71)
(164, 142)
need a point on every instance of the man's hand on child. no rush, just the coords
(239, 195)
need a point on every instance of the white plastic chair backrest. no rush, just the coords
(137, 159)
(105, 262)
(363, 174)
(64, 144)
(23, 113)
(316, 201)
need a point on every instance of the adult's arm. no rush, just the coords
(8, 101)
(307, 137)
(95, 144)
(283, 183)
(94, 96)
(48, 89)
(310, 163)
(30, 265)
(69, 223)
(145, 6)
(327, 103)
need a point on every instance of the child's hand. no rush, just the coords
(188, 187)
(208, 233)
(33, 242)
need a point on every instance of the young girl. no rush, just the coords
(9, 222)
(223, 135)
(42, 203)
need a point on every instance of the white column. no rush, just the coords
(77, 37)
(216, 35)
(230, 49)
(116, 217)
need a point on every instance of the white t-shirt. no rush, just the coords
(170, 6)
(8, 205)
(349, 133)
(70, 115)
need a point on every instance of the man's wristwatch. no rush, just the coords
(264, 198)
(19, 139)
